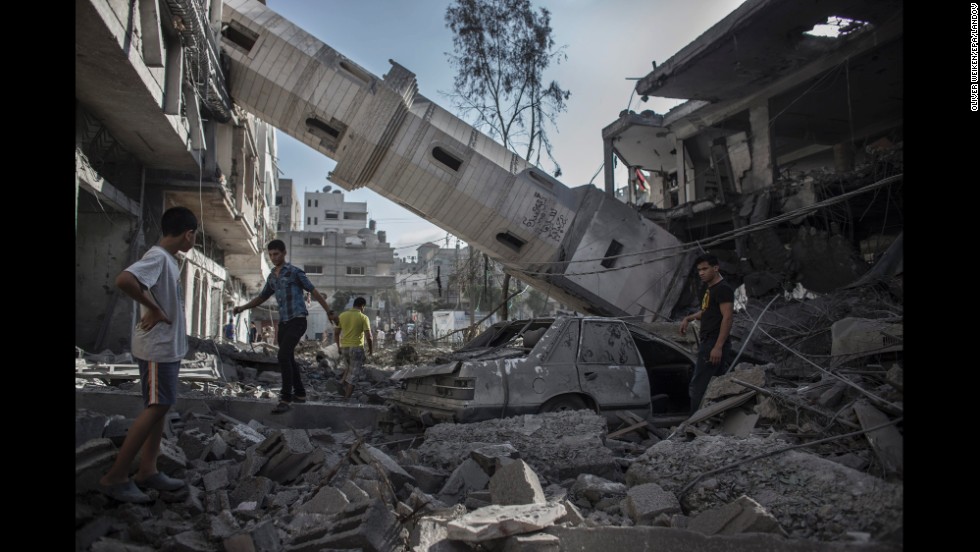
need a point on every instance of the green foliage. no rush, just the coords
(501, 50)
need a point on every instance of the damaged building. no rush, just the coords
(786, 158)
(156, 128)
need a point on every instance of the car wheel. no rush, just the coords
(564, 403)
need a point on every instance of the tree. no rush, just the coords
(501, 50)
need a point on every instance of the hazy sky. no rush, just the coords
(609, 44)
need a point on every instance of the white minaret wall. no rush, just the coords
(386, 135)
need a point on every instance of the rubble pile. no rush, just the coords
(794, 453)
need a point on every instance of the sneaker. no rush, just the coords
(162, 482)
(281, 407)
(125, 492)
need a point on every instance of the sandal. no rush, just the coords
(283, 406)
(125, 492)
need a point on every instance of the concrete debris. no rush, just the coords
(645, 502)
(557, 445)
(327, 501)
(268, 485)
(536, 542)
(811, 497)
(744, 515)
(468, 476)
(494, 522)
(863, 337)
(516, 483)
(488, 456)
(372, 527)
(594, 488)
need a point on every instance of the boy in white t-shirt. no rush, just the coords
(159, 343)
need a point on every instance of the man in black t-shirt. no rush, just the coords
(717, 308)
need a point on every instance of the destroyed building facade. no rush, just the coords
(155, 128)
(785, 160)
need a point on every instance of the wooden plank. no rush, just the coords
(626, 430)
(886, 442)
(632, 418)
(719, 407)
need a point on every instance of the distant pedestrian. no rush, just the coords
(253, 333)
(230, 330)
(287, 283)
(354, 329)
(159, 342)
(381, 338)
(398, 337)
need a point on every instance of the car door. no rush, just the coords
(609, 366)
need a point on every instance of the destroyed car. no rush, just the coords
(546, 365)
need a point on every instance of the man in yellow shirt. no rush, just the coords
(350, 333)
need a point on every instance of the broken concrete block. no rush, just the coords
(494, 522)
(395, 473)
(171, 458)
(645, 502)
(216, 479)
(516, 483)
(374, 489)
(216, 449)
(246, 435)
(468, 476)
(193, 501)
(253, 462)
(241, 542)
(428, 479)
(595, 488)
(768, 409)
(193, 443)
(537, 542)
(88, 425)
(116, 428)
(290, 454)
(92, 459)
(284, 498)
(327, 500)
(486, 456)
(222, 525)
(190, 541)
(354, 493)
(370, 527)
(744, 515)
(265, 536)
(250, 489)
(477, 499)
(572, 514)
(430, 534)
(215, 502)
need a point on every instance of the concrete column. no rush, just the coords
(173, 76)
(151, 33)
(682, 195)
(761, 175)
(608, 155)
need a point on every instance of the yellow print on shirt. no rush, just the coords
(706, 299)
